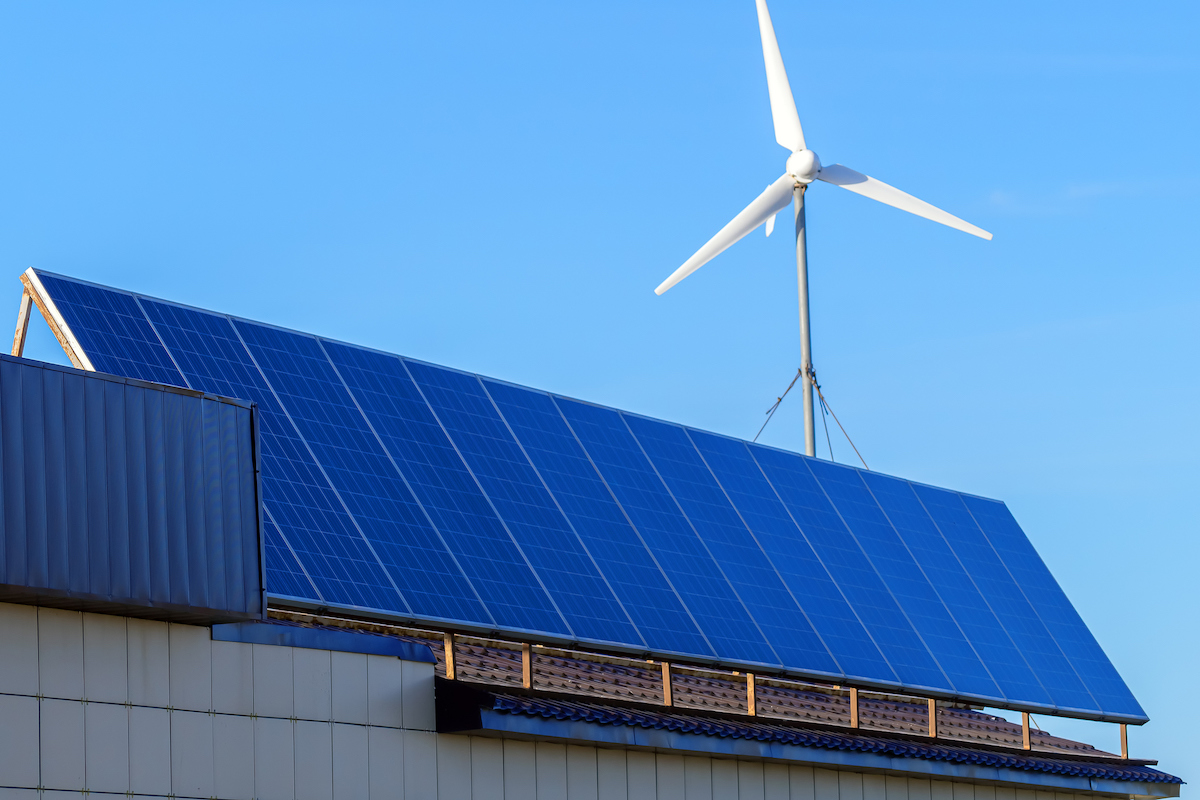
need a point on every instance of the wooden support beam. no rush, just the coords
(18, 348)
(666, 679)
(751, 699)
(1124, 740)
(1026, 739)
(58, 326)
(853, 707)
(448, 640)
(527, 666)
(932, 718)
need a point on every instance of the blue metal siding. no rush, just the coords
(116, 495)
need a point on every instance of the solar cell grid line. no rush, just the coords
(1012, 609)
(112, 329)
(703, 589)
(636, 577)
(1047, 598)
(522, 501)
(809, 582)
(307, 512)
(731, 544)
(839, 552)
(432, 469)
(904, 578)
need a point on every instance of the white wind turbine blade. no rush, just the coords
(763, 207)
(890, 195)
(783, 107)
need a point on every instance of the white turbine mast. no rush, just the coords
(803, 167)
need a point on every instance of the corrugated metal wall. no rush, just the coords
(126, 496)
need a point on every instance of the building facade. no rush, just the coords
(143, 653)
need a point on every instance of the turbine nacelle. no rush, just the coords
(803, 165)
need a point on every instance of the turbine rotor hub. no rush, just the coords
(803, 165)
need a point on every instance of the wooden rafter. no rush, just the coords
(58, 326)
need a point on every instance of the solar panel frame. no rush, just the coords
(626, 468)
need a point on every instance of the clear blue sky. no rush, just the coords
(499, 187)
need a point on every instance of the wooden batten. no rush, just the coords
(1124, 740)
(853, 707)
(1026, 739)
(527, 665)
(18, 347)
(666, 680)
(448, 642)
(932, 718)
(751, 699)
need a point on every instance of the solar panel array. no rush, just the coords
(431, 494)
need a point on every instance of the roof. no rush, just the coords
(408, 491)
(575, 687)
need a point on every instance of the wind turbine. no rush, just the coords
(803, 167)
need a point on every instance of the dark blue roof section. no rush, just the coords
(903, 747)
(411, 491)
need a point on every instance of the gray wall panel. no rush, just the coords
(122, 496)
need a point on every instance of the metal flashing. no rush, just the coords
(287, 634)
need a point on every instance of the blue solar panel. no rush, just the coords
(1005, 598)
(403, 489)
(732, 545)
(653, 605)
(519, 497)
(904, 578)
(703, 587)
(828, 535)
